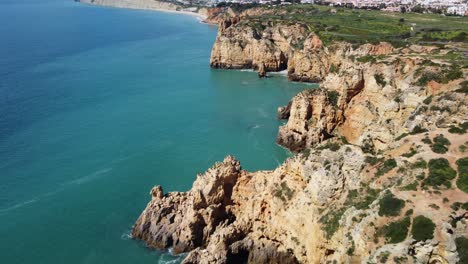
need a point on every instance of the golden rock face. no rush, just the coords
(322, 204)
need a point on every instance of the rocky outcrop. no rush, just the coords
(185, 221)
(313, 115)
(318, 207)
(353, 192)
(375, 101)
(240, 46)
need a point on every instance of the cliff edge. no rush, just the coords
(379, 171)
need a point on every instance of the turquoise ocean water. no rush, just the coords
(97, 105)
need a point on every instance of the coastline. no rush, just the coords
(144, 5)
(335, 154)
(349, 161)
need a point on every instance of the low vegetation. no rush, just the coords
(362, 200)
(445, 75)
(440, 144)
(423, 228)
(419, 164)
(440, 173)
(462, 181)
(379, 78)
(331, 222)
(362, 26)
(390, 205)
(462, 245)
(333, 97)
(284, 192)
(396, 232)
(461, 129)
(387, 166)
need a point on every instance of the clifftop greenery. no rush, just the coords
(361, 26)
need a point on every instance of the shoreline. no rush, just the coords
(160, 8)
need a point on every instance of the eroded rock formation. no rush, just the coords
(362, 172)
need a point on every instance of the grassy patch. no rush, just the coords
(410, 187)
(396, 232)
(390, 205)
(445, 75)
(331, 222)
(462, 181)
(423, 228)
(361, 200)
(367, 58)
(387, 166)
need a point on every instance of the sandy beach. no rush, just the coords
(144, 5)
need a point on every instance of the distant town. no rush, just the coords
(447, 7)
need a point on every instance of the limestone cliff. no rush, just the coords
(323, 206)
(373, 102)
(379, 172)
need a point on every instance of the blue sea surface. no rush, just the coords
(97, 105)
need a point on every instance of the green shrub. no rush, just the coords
(440, 173)
(457, 205)
(331, 222)
(332, 146)
(401, 136)
(438, 148)
(460, 129)
(444, 76)
(363, 200)
(440, 139)
(463, 88)
(456, 130)
(411, 153)
(462, 181)
(410, 187)
(428, 100)
(367, 58)
(333, 68)
(400, 260)
(423, 228)
(284, 192)
(462, 246)
(333, 97)
(372, 160)
(390, 205)
(440, 144)
(427, 140)
(379, 78)
(383, 257)
(387, 166)
(419, 164)
(418, 130)
(396, 232)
